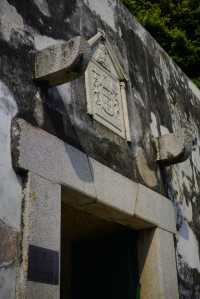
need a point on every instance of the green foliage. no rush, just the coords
(175, 24)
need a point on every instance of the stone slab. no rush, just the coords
(60, 63)
(113, 189)
(49, 157)
(155, 208)
(175, 148)
(44, 213)
(41, 230)
(157, 265)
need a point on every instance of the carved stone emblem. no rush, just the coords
(105, 88)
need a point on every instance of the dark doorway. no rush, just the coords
(98, 258)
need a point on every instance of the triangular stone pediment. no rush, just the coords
(106, 57)
(105, 90)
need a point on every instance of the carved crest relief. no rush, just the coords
(105, 88)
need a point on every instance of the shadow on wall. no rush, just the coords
(59, 122)
(48, 17)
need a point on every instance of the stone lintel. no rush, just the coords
(92, 185)
(62, 62)
(35, 150)
(157, 265)
(155, 208)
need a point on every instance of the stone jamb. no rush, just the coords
(41, 230)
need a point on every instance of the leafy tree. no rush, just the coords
(175, 24)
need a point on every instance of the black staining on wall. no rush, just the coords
(189, 278)
(89, 23)
(16, 72)
(189, 281)
(155, 86)
(170, 98)
(62, 9)
(142, 70)
(59, 116)
(56, 25)
(16, 55)
(69, 120)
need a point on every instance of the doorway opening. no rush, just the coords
(98, 257)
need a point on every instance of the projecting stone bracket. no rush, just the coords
(62, 62)
(174, 148)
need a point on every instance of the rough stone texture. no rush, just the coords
(10, 188)
(44, 213)
(161, 100)
(42, 224)
(157, 265)
(9, 252)
(10, 195)
(37, 290)
(108, 193)
(174, 148)
(156, 208)
(112, 189)
(63, 62)
(8, 246)
(7, 282)
(35, 151)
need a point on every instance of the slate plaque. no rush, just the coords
(43, 265)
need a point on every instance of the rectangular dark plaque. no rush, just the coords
(43, 265)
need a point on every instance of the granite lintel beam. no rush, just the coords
(37, 151)
(92, 185)
(62, 62)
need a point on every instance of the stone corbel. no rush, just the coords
(174, 148)
(62, 62)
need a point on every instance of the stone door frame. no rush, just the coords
(48, 165)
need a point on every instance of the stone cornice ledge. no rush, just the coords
(87, 183)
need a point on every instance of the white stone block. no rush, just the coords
(157, 265)
(44, 213)
(62, 62)
(113, 189)
(155, 208)
(49, 157)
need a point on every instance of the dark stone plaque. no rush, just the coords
(43, 265)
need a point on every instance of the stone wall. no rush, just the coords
(161, 100)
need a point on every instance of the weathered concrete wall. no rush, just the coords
(10, 198)
(160, 98)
